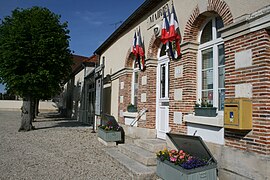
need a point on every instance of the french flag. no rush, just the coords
(134, 51)
(174, 32)
(140, 51)
(165, 29)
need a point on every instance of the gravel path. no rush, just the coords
(58, 149)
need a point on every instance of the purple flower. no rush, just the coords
(193, 163)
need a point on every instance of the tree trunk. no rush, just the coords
(36, 107)
(27, 115)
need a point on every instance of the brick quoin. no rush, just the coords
(258, 75)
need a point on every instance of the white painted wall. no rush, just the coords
(114, 98)
(207, 133)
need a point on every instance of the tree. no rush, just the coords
(35, 58)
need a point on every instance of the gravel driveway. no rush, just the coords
(58, 149)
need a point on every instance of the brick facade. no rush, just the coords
(258, 139)
(258, 74)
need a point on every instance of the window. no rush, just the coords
(211, 64)
(163, 73)
(135, 84)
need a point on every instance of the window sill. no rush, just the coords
(130, 114)
(210, 121)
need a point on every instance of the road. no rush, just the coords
(58, 149)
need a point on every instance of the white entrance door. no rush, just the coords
(162, 107)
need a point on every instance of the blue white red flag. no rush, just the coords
(165, 29)
(140, 51)
(174, 32)
(134, 51)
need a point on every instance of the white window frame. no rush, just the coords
(163, 60)
(135, 70)
(214, 43)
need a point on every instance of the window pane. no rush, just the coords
(136, 74)
(207, 58)
(221, 98)
(221, 67)
(219, 24)
(221, 77)
(162, 51)
(207, 69)
(162, 80)
(135, 87)
(221, 56)
(207, 33)
(207, 79)
(208, 96)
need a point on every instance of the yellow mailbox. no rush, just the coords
(238, 113)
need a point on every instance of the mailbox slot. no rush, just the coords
(238, 113)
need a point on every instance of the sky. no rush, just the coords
(90, 22)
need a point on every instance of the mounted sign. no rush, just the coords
(98, 95)
(156, 17)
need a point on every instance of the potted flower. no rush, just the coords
(205, 108)
(193, 161)
(109, 132)
(131, 108)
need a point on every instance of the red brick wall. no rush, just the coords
(257, 140)
(126, 93)
(150, 90)
(188, 84)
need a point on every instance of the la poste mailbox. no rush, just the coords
(238, 113)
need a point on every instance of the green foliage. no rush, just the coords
(34, 52)
(203, 103)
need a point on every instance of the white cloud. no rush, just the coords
(93, 18)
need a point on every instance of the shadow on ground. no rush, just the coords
(60, 121)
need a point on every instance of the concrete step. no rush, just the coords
(153, 145)
(129, 139)
(135, 169)
(139, 154)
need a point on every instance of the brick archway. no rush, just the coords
(153, 47)
(197, 18)
(129, 59)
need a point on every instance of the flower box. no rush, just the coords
(205, 111)
(196, 148)
(132, 108)
(109, 136)
(169, 171)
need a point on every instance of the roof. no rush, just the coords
(146, 7)
(81, 61)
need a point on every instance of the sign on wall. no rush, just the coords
(98, 95)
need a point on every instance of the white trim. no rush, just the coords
(162, 60)
(133, 83)
(211, 121)
(214, 43)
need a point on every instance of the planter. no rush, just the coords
(205, 111)
(132, 109)
(169, 171)
(109, 136)
(194, 146)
